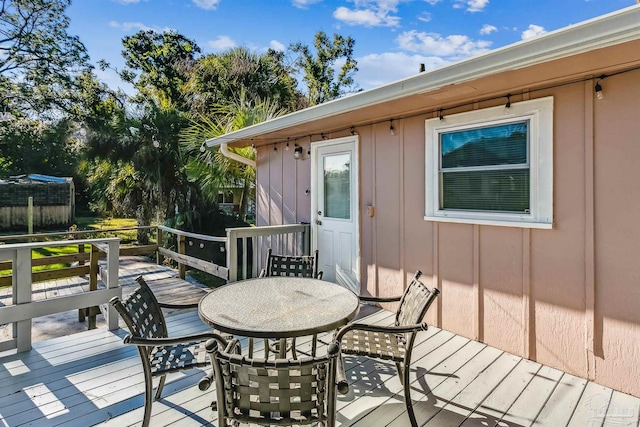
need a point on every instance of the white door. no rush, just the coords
(334, 190)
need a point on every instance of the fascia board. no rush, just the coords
(607, 30)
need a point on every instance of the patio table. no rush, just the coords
(278, 307)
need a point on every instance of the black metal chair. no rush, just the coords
(296, 266)
(393, 343)
(160, 355)
(292, 266)
(273, 392)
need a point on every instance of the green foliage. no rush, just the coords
(218, 79)
(159, 64)
(30, 146)
(210, 170)
(38, 58)
(319, 74)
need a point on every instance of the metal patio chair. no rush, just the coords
(393, 343)
(296, 266)
(273, 392)
(160, 355)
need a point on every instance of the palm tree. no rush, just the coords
(208, 167)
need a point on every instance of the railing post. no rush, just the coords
(182, 249)
(159, 257)
(22, 286)
(232, 255)
(306, 239)
(113, 281)
(93, 284)
(81, 251)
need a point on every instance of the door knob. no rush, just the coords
(318, 222)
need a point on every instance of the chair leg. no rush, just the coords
(160, 387)
(403, 372)
(148, 400)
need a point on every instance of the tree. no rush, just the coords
(208, 168)
(158, 65)
(38, 58)
(32, 146)
(318, 70)
(218, 79)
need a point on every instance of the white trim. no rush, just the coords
(539, 113)
(603, 31)
(355, 139)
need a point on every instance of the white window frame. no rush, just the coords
(539, 113)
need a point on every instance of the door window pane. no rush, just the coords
(337, 186)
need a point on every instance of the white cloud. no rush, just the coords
(303, 4)
(128, 1)
(424, 17)
(276, 45)
(533, 31)
(370, 13)
(433, 2)
(488, 29)
(207, 4)
(222, 43)
(471, 5)
(376, 69)
(452, 47)
(138, 26)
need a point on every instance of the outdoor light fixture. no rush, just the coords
(353, 131)
(323, 136)
(507, 106)
(275, 148)
(440, 115)
(297, 153)
(391, 128)
(287, 146)
(598, 88)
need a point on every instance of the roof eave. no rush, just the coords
(607, 30)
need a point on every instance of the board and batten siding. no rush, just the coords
(568, 297)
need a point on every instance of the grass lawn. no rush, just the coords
(84, 223)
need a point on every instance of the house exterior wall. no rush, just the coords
(568, 297)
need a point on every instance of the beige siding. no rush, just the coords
(567, 297)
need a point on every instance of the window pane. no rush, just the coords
(495, 190)
(488, 146)
(337, 190)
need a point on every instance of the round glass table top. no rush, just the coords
(278, 307)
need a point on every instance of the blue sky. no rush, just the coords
(392, 36)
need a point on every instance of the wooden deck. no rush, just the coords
(92, 378)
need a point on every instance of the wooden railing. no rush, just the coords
(185, 239)
(23, 309)
(247, 246)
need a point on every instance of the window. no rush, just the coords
(492, 166)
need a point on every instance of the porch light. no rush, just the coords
(392, 130)
(297, 153)
(598, 88)
(507, 106)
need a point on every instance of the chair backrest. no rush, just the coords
(415, 302)
(282, 392)
(298, 266)
(141, 312)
